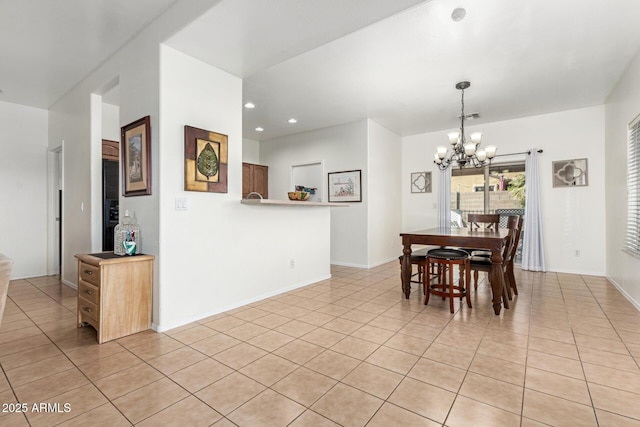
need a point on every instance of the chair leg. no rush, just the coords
(512, 278)
(467, 283)
(475, 279)
(426, 281)
(451, 288)
(507, 285)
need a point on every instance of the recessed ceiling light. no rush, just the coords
(292, 120)
(458, 14)
(249, 105)
(259, 129)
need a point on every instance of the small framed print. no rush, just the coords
(345, 186)
(421, 182)
(570, 173)
(205, 160)
(136, 158)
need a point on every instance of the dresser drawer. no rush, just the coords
(87, 309)
(90, 273)
(88, 292)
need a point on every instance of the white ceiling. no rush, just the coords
(327, 62)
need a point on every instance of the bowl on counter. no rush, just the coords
(299, 195)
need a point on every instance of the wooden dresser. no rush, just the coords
(114, 293)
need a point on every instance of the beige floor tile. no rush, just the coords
(613, 378)
(323, 337)
(246, 331)
(612, 345)
(395, 360)
(201, 374)
(355, 347)
(424, 399)
(344, 326)
(468, 412)
(552, 334)
(80, 400)
(392, 415)
(408, 344)
(14, 419)
(438, 374)
(347, 406)
(251, 314)
(295, 328)
(230, 392)
(503, 351)
(558, 385)
(317, 318)
(493, 392)
(267, 409)
(499, 369)
(127, 380)
(94, 352)
(559, 365)
(332, 364)
(359, 316)
(556, 348)
(556, 411)
(240, 355)
(109, 365)
(223, 324)
(271, 321)
(269, 369)
(606, 419)
(304, 386)
(26, 357)
(270, 340)
(215, 344)
(449, 355)
(191, 335)
(299, 351)
(373, 380)
(190, 412)
(104, 415)
(51, 386)
(373, 334)
(37, 370)
(156, 348)
(312, 419)
(150, 399)
(388, 323)
(174, 361)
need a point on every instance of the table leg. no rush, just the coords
(406, 271)
(497, 281)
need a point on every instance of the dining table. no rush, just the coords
(490, 240)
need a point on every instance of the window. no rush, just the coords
(632, 243)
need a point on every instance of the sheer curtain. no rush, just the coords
(444, 199)
(532, 246)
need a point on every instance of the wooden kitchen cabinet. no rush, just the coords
(114, 294)
(255, 178)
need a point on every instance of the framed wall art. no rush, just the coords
(136, 158)
(570, 173)
(345, 186)
(421, 182)
(206, 158)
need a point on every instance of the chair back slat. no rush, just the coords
(484, 221)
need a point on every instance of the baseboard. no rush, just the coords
(563, 271)
(70, 284)
(624, 293)
(348, 264)
(165, 327)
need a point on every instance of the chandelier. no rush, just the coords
(462, 152)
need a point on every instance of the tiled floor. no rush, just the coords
(349, 351)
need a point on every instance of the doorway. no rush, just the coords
(55, 211)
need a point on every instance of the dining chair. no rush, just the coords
(512, 222)
(509, 274)
(419, 259)
(483, 263)
(483, 221)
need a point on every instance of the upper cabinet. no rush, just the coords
(255, 178)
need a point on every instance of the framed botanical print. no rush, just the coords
(421, 182)
(136, 158)
(206, 158)
(345, 186)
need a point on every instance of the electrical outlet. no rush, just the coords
(292, 264)
(577, 252)
(182, 204)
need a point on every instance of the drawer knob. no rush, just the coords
(88, 272)
(88, 291)
(86, 309)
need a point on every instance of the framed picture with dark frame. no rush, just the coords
(421, 182)
(345, 186)
(206, 157)
(136, 157)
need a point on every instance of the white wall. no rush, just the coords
(250, 151)
(622, 107)
(221, 254)
(384, 194)
(110, 122)
(574, 218)
(136, 66)
(340, 148)
(23, 188)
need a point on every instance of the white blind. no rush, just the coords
(632, 243)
